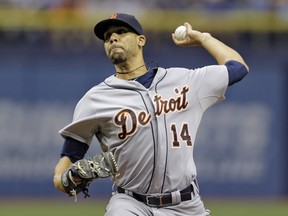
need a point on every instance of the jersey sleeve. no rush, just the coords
(212, 88)
(83, 127)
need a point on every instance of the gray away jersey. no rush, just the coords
(151, 131)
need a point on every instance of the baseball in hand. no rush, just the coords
(181, 33)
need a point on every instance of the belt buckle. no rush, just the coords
(155, 196)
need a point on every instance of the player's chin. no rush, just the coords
(117, 58)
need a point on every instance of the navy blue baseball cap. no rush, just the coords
(118, 19)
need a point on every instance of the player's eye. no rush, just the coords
(119, 31)
(107, 36)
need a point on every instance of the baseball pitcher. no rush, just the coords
(146, 121)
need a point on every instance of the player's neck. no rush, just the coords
(128, 73)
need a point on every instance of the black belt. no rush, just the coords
(160, 200)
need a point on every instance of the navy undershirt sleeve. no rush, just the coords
(74, 149)
(236, 71)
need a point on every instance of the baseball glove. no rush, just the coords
(78, 177)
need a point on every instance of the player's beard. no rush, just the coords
(118, 58)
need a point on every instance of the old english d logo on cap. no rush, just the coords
(114, 16)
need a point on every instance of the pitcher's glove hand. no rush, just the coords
(78, 177)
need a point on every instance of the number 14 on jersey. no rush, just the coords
(180, 135)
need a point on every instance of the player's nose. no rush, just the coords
(114, 38)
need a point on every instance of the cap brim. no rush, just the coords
(102, 26)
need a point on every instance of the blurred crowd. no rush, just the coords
(150, 4)
(84, 39)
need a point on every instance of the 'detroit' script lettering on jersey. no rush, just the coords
(128, 120)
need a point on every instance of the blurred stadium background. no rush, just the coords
(49, 58)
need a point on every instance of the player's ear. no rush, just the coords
(141, 40)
